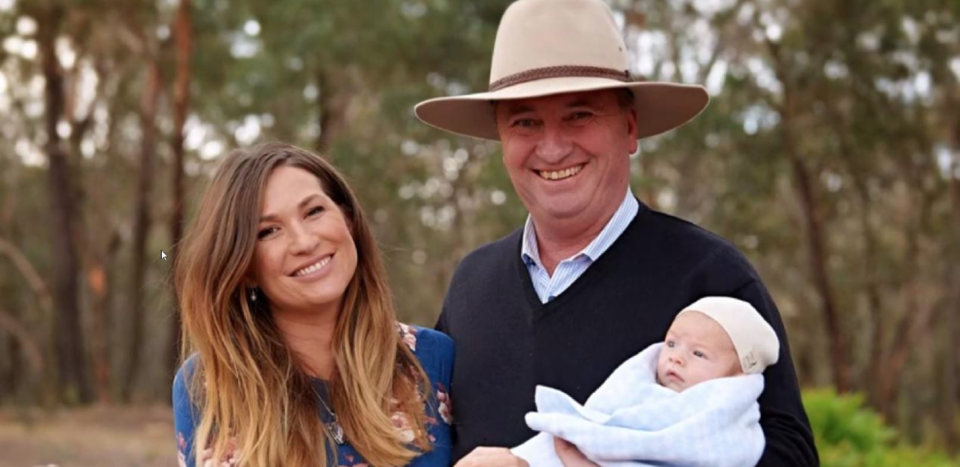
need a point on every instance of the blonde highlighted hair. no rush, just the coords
(253, 393)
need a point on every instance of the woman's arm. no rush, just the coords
(184, 420)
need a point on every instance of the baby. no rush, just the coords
(715, 337)
(690, 400)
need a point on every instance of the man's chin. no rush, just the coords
(562, 208)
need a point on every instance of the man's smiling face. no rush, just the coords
(568, 154)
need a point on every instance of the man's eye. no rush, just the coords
(265, 232)
(524, 123)
(579, 118)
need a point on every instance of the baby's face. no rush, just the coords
(696, 349)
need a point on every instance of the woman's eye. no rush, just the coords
(265, 232)
(315, 210)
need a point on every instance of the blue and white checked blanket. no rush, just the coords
(631, 420)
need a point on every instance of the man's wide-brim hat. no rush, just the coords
(547, 47)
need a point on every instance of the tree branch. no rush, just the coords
(26, 269)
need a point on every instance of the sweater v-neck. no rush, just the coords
(596, 269)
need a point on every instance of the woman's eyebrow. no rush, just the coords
(300, 205)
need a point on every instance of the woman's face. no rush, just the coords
(305, 255)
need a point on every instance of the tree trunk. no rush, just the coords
(839, 356)
(102, 291)
(148, 111)
(68, 335)
(10, 324)
(949, 392)
(878, 350)
(181, 105)
(892, 368)
(332, 106)
(818, 264)
(951, 388)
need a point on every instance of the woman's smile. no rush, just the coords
(314, 269)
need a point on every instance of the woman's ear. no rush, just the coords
(250, 282)
(250, 290)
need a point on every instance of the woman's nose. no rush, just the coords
(302, 241)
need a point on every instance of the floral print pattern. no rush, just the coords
(444, 406)
(181, 449)
(402, 423)
(206, 457)
(351, 459)
(439, 416)
(409, 336)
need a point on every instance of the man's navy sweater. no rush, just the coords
(507, 341)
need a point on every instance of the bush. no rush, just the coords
(851, 435)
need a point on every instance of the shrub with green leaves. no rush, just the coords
(851, 435)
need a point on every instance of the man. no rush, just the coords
(594, 276)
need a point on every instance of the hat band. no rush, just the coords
(563, 71)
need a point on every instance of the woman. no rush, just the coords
(296, 355)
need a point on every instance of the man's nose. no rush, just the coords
(554, 143)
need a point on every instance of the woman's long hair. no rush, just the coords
(252, 390)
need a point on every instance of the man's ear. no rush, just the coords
(631, 115)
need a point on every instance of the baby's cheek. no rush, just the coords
(735, 368)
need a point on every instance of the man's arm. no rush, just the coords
(789, 439)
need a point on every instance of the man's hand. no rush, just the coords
(570, 455)
(491, 457)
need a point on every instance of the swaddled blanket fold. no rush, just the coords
(630, 420)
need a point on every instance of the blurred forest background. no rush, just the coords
(830, 154)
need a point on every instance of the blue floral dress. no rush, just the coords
(432, 348)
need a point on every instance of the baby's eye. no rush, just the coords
(699, 354)
(670, 344)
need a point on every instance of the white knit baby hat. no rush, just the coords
(755, 341)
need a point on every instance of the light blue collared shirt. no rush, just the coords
(570, 269)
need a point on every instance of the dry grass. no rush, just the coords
(89, 437)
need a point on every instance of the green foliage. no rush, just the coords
(848, 434)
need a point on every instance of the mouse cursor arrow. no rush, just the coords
(163, 255)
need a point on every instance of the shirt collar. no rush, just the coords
(530, 251)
